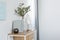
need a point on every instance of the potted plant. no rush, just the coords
(22, 11)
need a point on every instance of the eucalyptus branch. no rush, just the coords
(21, 10)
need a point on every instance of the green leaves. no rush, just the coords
(22, 10)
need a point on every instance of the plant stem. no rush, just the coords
(22, 17)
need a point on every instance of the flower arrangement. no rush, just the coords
(22, 10)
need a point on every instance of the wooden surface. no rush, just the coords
(20, 36)
(21, 33)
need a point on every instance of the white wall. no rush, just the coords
(49, 12)
(6, 25)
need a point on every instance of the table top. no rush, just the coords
(21, 33)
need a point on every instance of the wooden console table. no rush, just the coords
(21, 36)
